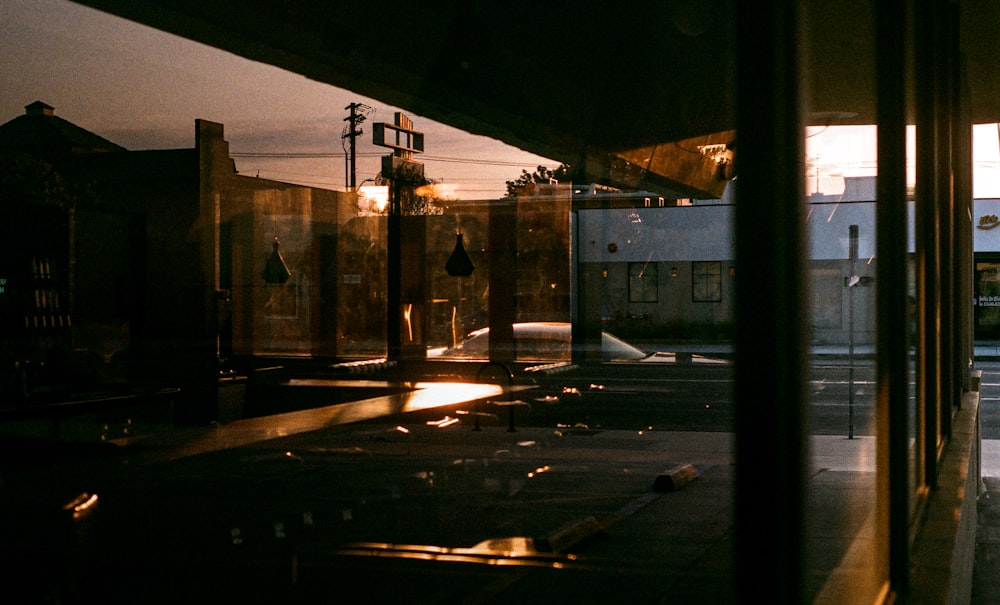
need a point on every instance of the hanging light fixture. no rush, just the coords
(276, 271)
(459, 264)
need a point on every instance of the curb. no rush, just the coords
(675, 478)
(569, 535)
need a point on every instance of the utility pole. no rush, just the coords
(359, 113)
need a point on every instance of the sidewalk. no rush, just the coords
(299, 506)
(991, 457)
(293, 506)
(987, 350)
(330, 501)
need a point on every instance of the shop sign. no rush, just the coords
(988, 221)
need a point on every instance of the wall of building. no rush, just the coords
(680, 243)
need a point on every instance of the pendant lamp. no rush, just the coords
(276, 271)
(459, 264)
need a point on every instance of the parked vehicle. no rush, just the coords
(552, 341)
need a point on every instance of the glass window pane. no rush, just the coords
(841, 534)
(706, 281)
(643, 282)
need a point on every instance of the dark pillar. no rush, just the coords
(962, 228)
(771, 335)
(503, 280)
(393, 287)
(892, 324)
(945, 128)
(326, 263)
(413, 287)
(927, 233)
(405, 275)
(964, 325)
(589, 290)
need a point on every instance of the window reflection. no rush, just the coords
(841, 540)
(620, 315)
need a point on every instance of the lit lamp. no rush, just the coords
(276, 271)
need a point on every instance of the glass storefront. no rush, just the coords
(986, 293)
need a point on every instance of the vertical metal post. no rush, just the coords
(852, 238)
(771, 335)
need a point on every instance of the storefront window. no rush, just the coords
(706, 281)
(987, 298)
(642, 282)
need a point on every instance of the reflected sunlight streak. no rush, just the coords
(510, 551)
(424, 396)
(81, 505)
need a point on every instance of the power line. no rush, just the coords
(482, 162)
(319, 155)
(252, 154)
(251, 169)
(244, 171)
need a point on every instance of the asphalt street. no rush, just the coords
(989, 401)
(841, 397)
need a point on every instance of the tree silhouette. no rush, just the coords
(417, 195)
(525, 184)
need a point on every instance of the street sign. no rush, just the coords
(399, 136)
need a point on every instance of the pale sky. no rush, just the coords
(143, 89)
(840, 151)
